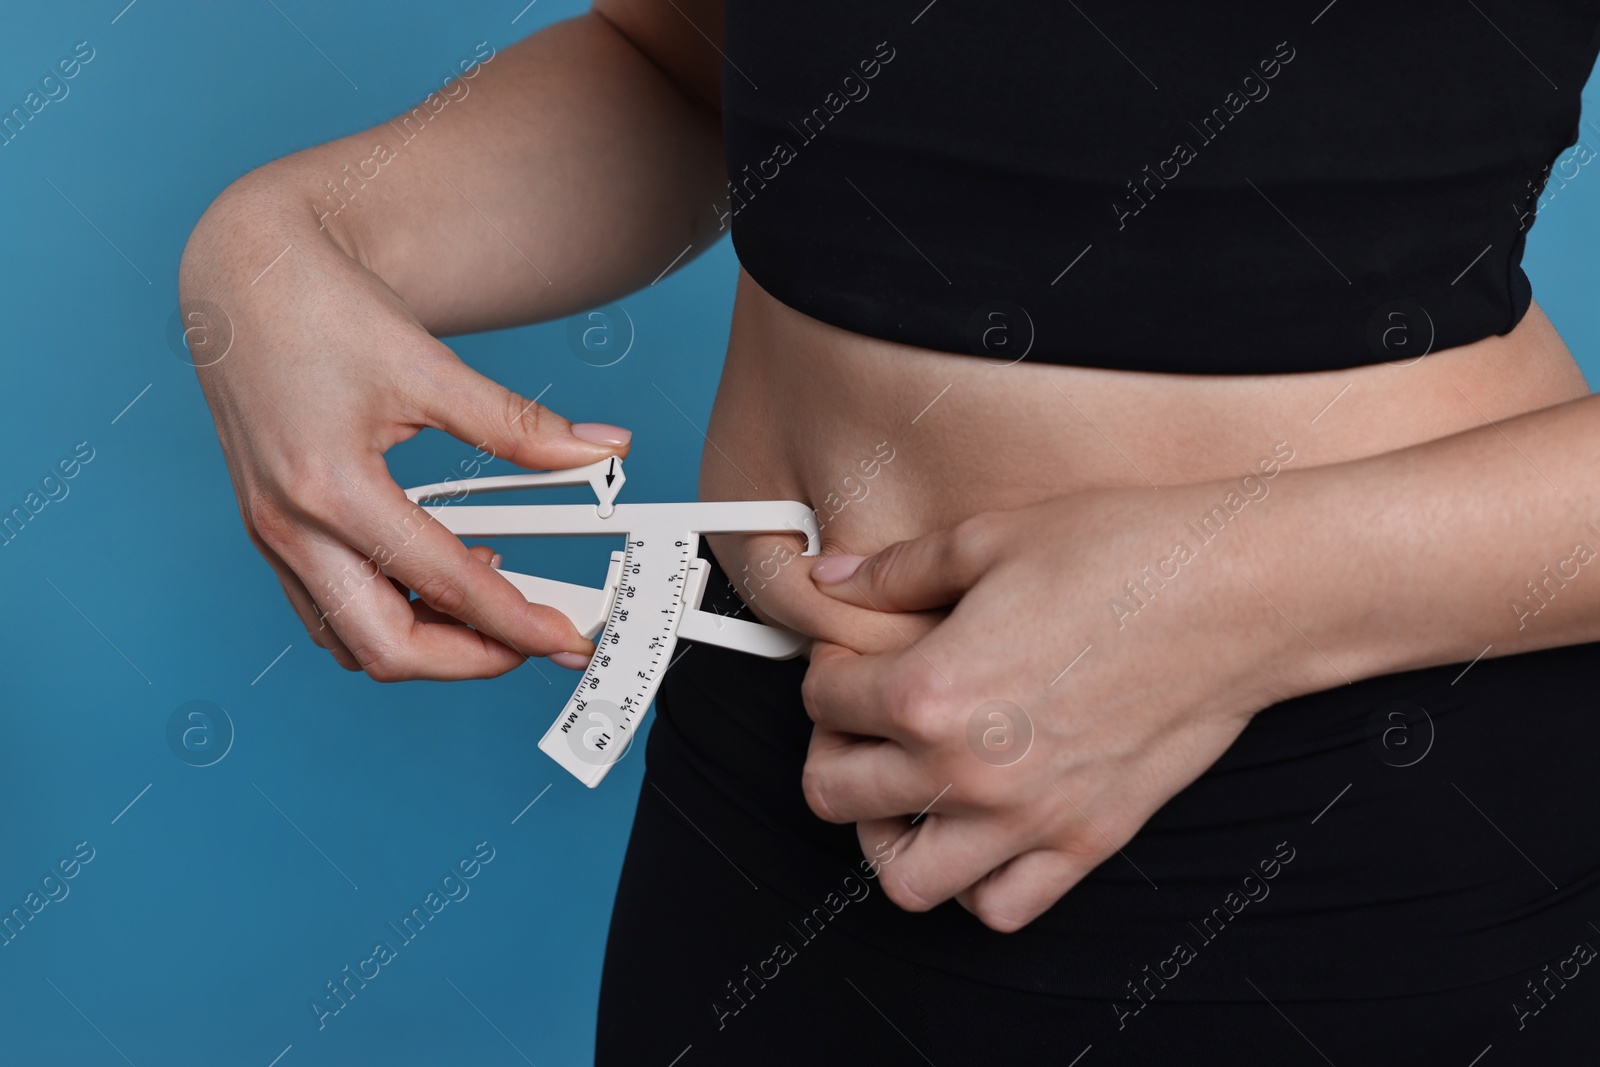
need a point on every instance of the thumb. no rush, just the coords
(923, 573)
(487, 415)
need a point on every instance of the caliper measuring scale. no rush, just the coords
(650, 599)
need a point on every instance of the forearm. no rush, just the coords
(568, 170)
(1483, 540)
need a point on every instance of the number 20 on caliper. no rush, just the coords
(650, 598)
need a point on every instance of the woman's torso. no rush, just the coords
(851, 409)
(888, 442)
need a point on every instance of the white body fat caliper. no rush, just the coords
(650, 599)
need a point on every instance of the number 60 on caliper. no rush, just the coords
(651, 596)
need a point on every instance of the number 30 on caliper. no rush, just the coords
(651, 595)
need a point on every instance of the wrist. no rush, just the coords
(259, 215)
(1242, 532)
(1319, 558)
(1196, 577)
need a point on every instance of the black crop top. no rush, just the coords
(1234, 188)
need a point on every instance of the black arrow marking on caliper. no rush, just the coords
(612, 473)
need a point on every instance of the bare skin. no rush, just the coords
(801, 403)
(1018, 499)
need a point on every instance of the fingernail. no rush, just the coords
(495, 561)
(831, 569)
(572, 661)
(601, 433)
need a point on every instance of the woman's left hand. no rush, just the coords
(1029, 734)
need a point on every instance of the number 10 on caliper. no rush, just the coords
(651, 596)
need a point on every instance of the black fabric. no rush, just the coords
(1433, 840)
(687, 924)
(1362, 175)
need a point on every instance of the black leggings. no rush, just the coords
(687, 922)
(1401, 871)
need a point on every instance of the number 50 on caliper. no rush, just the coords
(651, 596)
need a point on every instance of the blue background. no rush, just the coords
(208, 919)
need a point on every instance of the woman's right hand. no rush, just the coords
(326, 368)
(463, 214)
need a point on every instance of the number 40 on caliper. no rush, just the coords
(651, 596)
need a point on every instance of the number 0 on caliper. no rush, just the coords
(651, 595)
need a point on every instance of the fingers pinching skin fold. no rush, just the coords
(923, 573)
